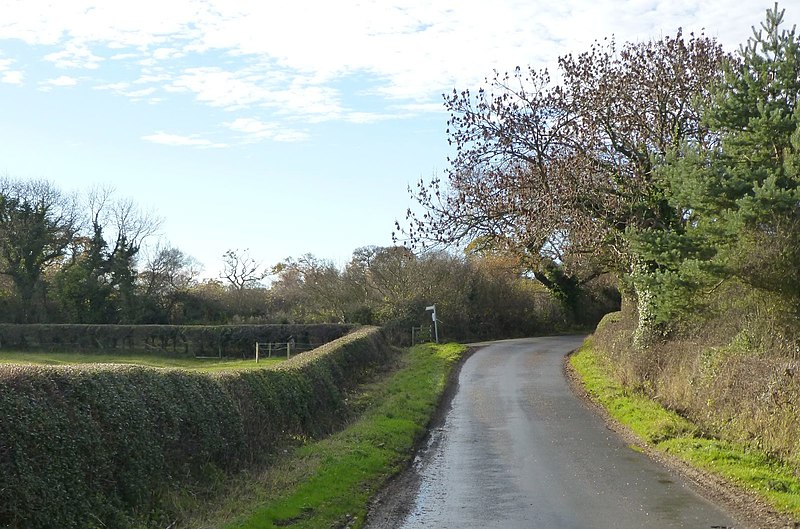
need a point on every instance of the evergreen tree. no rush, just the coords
(738, 193)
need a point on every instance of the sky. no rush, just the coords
(289, 127)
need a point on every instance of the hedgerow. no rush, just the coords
(91, 447)
(184, 340)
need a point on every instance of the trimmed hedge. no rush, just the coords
(86, 447)
(183, 340)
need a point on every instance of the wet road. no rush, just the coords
(519, 450)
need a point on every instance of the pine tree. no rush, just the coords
(738, 193)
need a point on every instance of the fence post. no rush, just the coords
(256, 352)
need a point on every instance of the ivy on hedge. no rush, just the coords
(97, 446)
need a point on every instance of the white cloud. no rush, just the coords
(193, 140)
(8, 75)
(136, 94)
(370, 117)
(161, 54)
(296, 58)
(251, 126)
(254, 130)
(124, 89)
(422, 108)
(74, 55)
(119, 87)
(63, 80)
(253, 86)
(123, 56)
(12, 77)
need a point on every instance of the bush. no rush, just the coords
(733, 373)
(98, 446)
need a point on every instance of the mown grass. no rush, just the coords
(149, 360)
(328, 483)
(775, 481)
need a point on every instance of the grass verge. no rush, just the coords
(148, 360)
(774, 481)
(328, 483)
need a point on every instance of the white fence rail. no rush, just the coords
(277, 348)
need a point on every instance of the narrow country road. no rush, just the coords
(518, 450)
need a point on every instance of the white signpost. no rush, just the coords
(435, 321)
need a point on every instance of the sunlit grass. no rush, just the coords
(775, 481)
(149, 360)
(328, 483)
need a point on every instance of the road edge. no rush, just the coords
(393, 501)
(746, 506)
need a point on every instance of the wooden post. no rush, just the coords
(269, 350)
(288, 349)
(256, 352)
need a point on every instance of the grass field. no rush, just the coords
(149, 360)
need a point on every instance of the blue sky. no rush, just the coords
(282, 127)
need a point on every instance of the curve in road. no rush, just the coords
(519, 450)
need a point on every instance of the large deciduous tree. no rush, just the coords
(558, 173)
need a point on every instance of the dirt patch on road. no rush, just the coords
(746, 506)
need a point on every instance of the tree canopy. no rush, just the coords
(669, 162)
(557, 172)
(736, 198)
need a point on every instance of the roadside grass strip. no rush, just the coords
(773, 480)
(342, 472)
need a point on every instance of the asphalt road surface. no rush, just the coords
(518, 449)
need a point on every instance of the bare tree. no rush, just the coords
(167, 275)
(241, 270)
(122, 221)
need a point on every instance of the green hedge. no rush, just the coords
(185, 340)
(91, 447)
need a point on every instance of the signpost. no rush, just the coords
(435, 321)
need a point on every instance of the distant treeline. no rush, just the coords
(65, 260)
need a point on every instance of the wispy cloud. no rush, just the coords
(254, 130)
(57, 82)
(193, 140)
(372, 117)
(295, 62)
(63, 80)
(8, 75)
(12, 77)
(74, 55)
(124, 89)
(259, 87)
